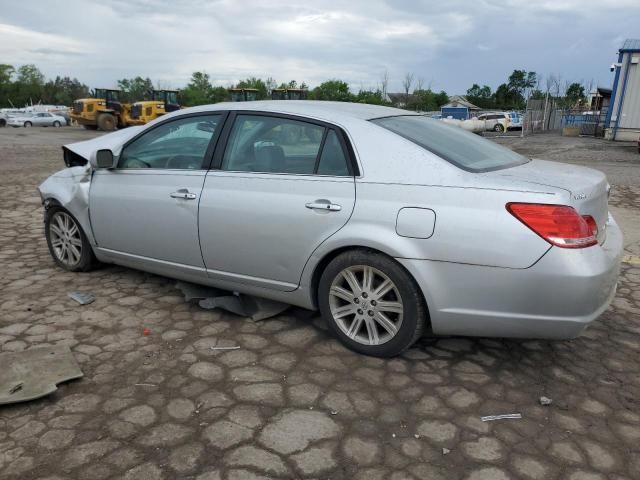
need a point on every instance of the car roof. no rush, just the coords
(312, 108)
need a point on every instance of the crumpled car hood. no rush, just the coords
(112, 141)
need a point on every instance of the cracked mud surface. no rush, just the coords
(292, 402)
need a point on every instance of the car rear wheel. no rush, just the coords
(57, 124)
(498, 128)
(27, 124)
(371, 303)
(68, 245)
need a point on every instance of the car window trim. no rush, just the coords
(213, 142)
(325, 134)
(223, 143)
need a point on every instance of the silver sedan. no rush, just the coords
(41, 119)
(388, 222)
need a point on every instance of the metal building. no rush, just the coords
(623, 117)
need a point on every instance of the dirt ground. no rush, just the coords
(291, 402)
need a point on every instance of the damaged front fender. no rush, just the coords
(69, 188)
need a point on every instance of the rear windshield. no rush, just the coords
(455, 145)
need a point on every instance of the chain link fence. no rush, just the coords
(543, 115)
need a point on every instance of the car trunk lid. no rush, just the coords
(588, 188)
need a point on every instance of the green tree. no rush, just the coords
(335, 90)
(6, 72)
(136, 89)
(481, 96)
(199, 91)
(63, 91)
(219, 94)
(28, 85)
(370, 97)
(574, 94)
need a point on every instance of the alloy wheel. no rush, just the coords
(366, 305)
(65, 239)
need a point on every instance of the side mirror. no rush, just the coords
(104, 159)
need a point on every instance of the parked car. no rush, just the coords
(516, 121)
(41, 119)
(498, 121)
(388, 222)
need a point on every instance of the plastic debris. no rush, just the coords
(146, 332)
(546, 401)
(490, 418)
(225, 348)
(445, 451)
(244, 305)
(83, 298)
(333, 412)
(35, 373)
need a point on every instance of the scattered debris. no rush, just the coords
(333, 412)
(416, 435)
(393, 435)
(446, 451)
(145, 384)
(146, 332)
(225, 348)
(490, 418)
(35, 373)
(545, 401)
(83, 298)
(240, 304)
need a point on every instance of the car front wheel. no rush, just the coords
(27, 124)
(57, 124)
(68, 245)
(371, 303)
(498, 128)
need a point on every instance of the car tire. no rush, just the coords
(364, 329)
(3, 123)
(28, 124)
(498, 128)
(107, 122)
(67, 242)
(57, 124)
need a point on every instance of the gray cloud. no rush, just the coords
(449, 44)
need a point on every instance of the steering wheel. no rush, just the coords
(136, 163)
(181, 161)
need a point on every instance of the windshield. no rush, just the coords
(453, 144)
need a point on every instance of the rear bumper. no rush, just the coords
(557, 298)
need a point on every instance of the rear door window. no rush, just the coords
(455, 145)
(269, 144)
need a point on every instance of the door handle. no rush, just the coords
(324, 205)
(184, 194)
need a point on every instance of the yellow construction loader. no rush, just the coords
(164, 101)
(103, 111)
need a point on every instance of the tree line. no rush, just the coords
(26, 85)
(522, 85)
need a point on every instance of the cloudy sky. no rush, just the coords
(448, 44)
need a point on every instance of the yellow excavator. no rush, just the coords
(163, 101)
(103, 111)
(243, 94)
(289, 94)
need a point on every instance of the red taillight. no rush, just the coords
(559, 225)
(593, 226)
